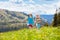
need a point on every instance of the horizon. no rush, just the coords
(43, 7)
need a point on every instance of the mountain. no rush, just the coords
(13, 16)
(9, 16)
(11, 20)
(48, 18)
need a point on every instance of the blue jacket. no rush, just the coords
(31, 20)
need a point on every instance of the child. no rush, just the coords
(30, 21)
(38, 20)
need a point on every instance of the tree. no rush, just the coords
(58, 19)
(55, 20)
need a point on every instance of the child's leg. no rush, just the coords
(38, 25)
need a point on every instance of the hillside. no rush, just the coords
(11, 20)
(10, 16)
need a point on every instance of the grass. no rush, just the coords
(44, 33)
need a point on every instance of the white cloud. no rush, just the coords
(29, 8)
(16, 0)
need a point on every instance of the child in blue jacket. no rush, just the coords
(30, 21)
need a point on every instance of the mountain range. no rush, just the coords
(13, 16)
(12, 20)
(48, 18)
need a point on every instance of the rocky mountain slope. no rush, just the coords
(9, 16)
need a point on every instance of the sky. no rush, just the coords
(31, 6)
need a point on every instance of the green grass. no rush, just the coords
(44, 33)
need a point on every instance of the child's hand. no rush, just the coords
(35, 21)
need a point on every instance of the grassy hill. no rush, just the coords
(44, 33)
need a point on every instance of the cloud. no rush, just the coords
(20, 5)
(31, 1)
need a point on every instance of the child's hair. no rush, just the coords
(37, 16)
(29, 15)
